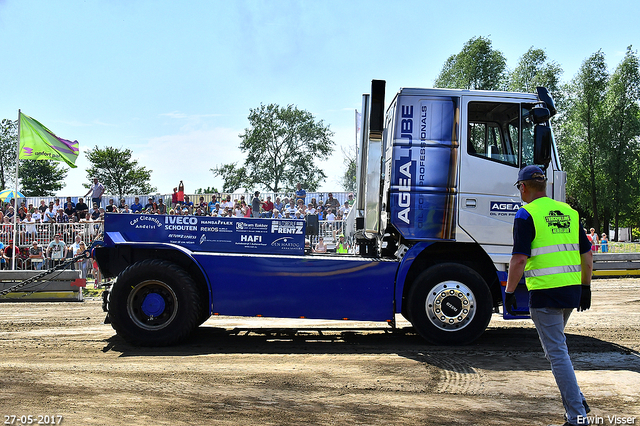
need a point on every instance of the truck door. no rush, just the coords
(491, 154)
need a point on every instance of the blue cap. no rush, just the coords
(531, 173)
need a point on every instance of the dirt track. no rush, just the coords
(59, 359)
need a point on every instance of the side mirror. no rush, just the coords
(544, 96)
(542, 145)
(540, 115)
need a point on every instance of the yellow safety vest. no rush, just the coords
(555, 249)
(341, 248)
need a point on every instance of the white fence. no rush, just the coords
(43, 233)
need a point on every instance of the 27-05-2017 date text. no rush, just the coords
(30, 419)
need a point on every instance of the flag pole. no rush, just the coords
(15, 203)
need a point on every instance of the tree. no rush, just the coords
(534, 70)
(234, 177)
(622, 162)
(207, 190)
(282, 147)
(119, 173)
(477, 66)
(348, 180)
(41, 178)
(582, 139)
(8, 150)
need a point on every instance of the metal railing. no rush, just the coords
(44, 233)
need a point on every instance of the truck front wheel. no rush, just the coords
(154, 303)
(450, 304)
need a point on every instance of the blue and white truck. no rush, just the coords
(433, 230)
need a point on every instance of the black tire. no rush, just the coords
(450, 304)
(154, 303)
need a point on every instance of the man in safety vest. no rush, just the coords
(341, 247)
(554, 254)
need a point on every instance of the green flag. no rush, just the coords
(39, 143)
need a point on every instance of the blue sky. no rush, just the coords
(174, 81)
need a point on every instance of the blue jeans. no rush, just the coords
(550, 323)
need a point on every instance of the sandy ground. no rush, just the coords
(60, 359)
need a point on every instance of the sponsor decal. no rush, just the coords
(286, 227)
(500, 208)
(146, 222)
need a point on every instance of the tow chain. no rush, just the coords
(84, 255)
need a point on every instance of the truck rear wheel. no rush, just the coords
(450, 304)
(154, 303)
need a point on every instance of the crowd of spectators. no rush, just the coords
(40, 223)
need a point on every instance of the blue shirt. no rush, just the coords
(524, 232)
(136, 208)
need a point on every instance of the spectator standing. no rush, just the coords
(301, 194)
(4, 259)
(593, 237)
(57, 250)
(342, 247)
(332, 203)
(174, 197)
(42, 207)
(255, 204)
(136, 207)
(96, 191)
(84, 263)
(35, 255)
(30, 227)
(180, 194)
(604, 243)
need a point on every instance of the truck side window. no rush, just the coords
(491, 132)
(527, 137)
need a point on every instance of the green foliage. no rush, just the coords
(207, 190)
(282, 146)
(41, 178)
(477, 66)
(8, 151)
(348, 180)
(582, 141)
(622, 162)
(534, 70)
(233, 176)
(118, 172)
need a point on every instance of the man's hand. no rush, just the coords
(510, 303)
(585, 298)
